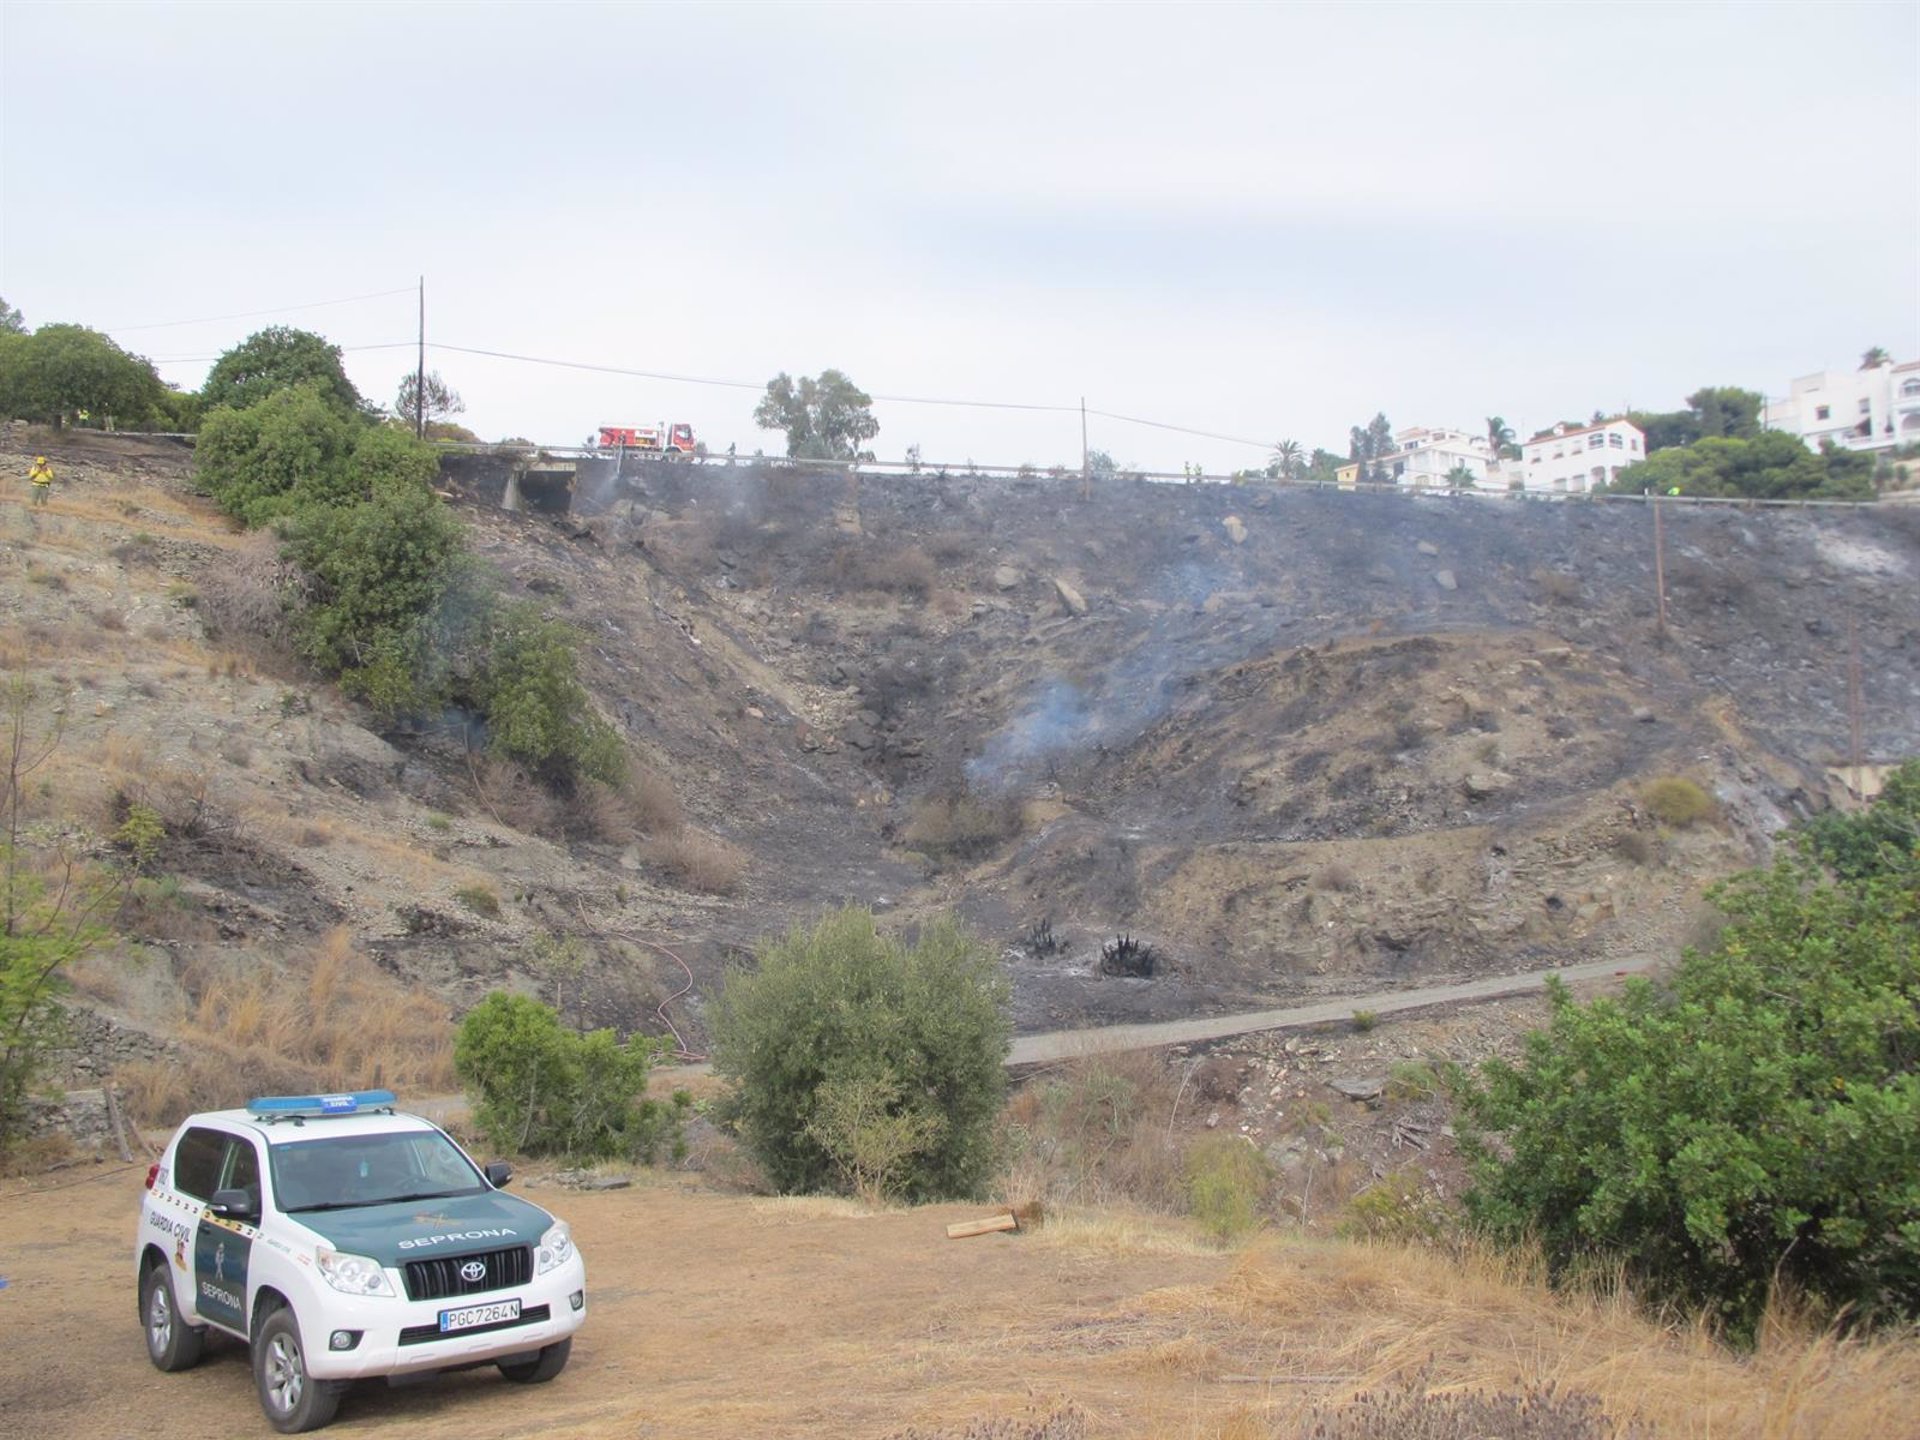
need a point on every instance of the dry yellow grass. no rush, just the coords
(1381, 1313)
(330, 1019)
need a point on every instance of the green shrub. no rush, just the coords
(479, 899)
(1677, 802)
(378, 573)
(1397, 1207)
(289, 451)
(1883, 840)
(1226, 1182)
(1412, 1080)
(839, 1030)
(1753, 1121)
(870, 1135)
(540, 1089)
(1365, 1020)
(537, 710)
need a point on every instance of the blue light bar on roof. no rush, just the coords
(291, 1107)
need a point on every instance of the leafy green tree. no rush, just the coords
(1874, 358)
(1370, 445)
(1727, 412)
(61, 369)
(841, 1034)
(1100, 465)
(537, 710)
(1324, 467)
(541, 1089)
(1772, 466)
(1460, 478)
(442, 401)
(12, 322)
(179, 411)
(280, 358)
(1883, 840)
(53, 907)
(377, 572)
(830, 418)
(1754, 1120)
(289, 451)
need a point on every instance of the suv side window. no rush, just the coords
(196, 1162)
(242, 1168)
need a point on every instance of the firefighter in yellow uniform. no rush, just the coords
(40, 475)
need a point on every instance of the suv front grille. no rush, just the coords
(440, 1277)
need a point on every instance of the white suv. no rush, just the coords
(341, 1239)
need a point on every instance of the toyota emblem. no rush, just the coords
(473, 1272)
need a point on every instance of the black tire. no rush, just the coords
(543, 1367)
(293, 1400)
(172, 1344)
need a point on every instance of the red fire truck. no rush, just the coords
(671, 441)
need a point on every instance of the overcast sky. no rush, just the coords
(1261, 221)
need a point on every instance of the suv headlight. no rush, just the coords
(352, 1274)
(556, 1248)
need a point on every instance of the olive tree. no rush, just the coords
(861, 1059)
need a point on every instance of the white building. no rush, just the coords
(1566, 461)
(1423, 459)
(1858, 409)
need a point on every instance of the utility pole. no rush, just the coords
(1086, 466)
(420, 371)
(1660, 565)
(1854, 704)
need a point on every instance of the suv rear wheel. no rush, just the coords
(293, 1400)
(172, 1344)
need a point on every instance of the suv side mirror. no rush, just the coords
(498, 1173)
(234, 1205)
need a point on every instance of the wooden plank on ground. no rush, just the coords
(961, 1229)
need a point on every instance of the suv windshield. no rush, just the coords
(343, 1172)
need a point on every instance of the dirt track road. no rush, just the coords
(711, 1315)
(1065, 1044)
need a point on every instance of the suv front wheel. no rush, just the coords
(294, 1401)
(547, 1364)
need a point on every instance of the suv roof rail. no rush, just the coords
(315, 1107)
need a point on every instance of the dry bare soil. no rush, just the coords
(723, 1316)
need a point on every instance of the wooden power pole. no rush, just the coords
(420, 371)
(1086, 464)
(1660, 565)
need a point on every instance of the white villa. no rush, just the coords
(1873, 409)
(1567, 461)
(1423, 458)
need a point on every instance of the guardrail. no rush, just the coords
(937, 470)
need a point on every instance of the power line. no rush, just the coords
(678, 379)
(255, 314)
(1182, 429)
(598, 369)
(344, 349)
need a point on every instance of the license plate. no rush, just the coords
(479, 1315)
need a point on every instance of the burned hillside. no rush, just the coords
(1290, 743)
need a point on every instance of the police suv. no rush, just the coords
(341, 1239)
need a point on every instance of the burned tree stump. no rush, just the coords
(1040, 941)
(1126, 956)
